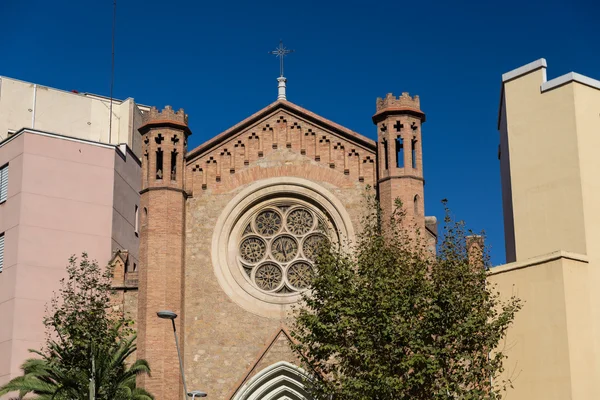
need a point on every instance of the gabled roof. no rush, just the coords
(293, 109)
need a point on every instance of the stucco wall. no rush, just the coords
(10, 214)
(60, 202)
(549, 147)
(26, 105)
(587, 109)
(547, 198)
(127, 173)
(548, 344)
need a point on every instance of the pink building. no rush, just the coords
(59, 196)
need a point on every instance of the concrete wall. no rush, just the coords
(547, 198)
(81, 115)
(549, 135)
(61, 201)
(548, 346)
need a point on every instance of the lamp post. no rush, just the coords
(165, 314)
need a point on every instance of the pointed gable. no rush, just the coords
(281, 125)
(276, 351)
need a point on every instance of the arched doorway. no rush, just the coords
(279, 381)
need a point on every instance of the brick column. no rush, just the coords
(162, 246)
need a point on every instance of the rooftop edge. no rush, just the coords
(525, 69)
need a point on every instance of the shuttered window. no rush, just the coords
(1, 251)
(3, 183)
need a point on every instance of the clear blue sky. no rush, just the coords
(210, 57)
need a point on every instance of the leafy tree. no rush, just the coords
(390, 320)
(87, 344)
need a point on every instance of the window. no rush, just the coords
(416, 204)
(413, 145)
(279, 246)
(159, 164)
(1, 251)
(385, 153)
(174, 165)
(399, 152)
(3, 183)
(137, 219)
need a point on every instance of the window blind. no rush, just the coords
(1, 251)
(3, 183)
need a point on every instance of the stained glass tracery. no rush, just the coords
(278, 247)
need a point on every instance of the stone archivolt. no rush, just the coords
(212, 166)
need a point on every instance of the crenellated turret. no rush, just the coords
(164, 146)
(162, 243)
(400, 156)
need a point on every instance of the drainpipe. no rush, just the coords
(33, 106)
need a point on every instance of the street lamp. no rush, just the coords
(165, 314)
(196, 393)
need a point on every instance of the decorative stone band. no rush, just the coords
(387, 178)
(183, 192)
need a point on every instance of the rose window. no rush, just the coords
(279, 246)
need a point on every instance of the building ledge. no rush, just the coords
(122, 149)
(543, 259)
(568, 78)
(525, 69)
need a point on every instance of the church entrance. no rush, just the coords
(279, 381)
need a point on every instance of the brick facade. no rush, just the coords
(225, 343)
(400, 160)
(162, 248)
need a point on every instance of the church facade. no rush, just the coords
(228, 233)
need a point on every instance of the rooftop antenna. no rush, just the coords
(112, 71)
(281, 52)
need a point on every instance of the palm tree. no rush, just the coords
(52, 377)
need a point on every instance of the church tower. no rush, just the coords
(161, 284)
(400, 156)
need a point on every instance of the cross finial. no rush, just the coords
(281, 52)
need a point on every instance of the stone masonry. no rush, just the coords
(400, 158)
(224, 342)
(162, 247)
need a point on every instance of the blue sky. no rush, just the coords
(211, 58)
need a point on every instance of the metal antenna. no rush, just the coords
(112, 71)
(281, 52)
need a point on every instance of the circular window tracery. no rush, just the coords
(311, 244)
(235, 275)
(284, 248)
(300, 221)
(268, 276)
(299, 274)
(268, 222)
(253, 249)
(279, 246)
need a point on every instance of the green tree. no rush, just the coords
(87, 343)
(389, 320)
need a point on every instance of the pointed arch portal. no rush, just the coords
(280, 381)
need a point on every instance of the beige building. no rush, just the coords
(549, 146)
(80, 115)
(63, 190)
